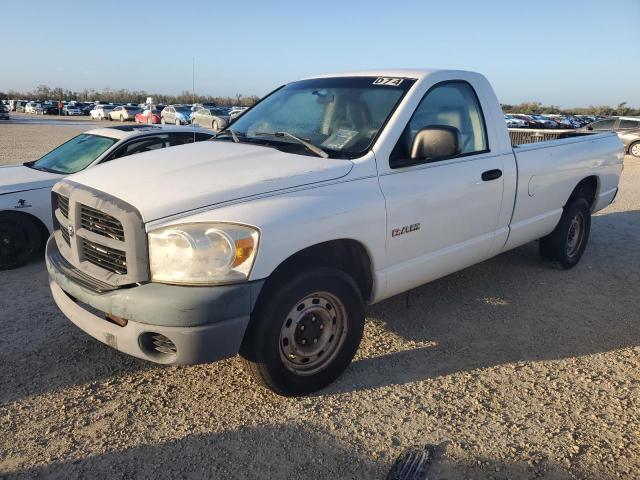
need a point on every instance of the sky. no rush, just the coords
(563, 52)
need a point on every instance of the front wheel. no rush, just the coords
(20, 240)
(305, 333)
(566, 244)
(634, 149)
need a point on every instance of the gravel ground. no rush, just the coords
(511, 369)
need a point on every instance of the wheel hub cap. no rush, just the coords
(575, 235)
(313, 333)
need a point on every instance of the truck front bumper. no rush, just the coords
(166, 324)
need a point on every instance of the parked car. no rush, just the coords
(33, 107)
(71, 110)
(214, 118)
(101, 112)
(176, 114)
(4, 112)
(270, 239)
(148, 116)
(50, 109)
(235, 112)
(627, 128)
(25, 190)
(124, 113)
(545, 122)
(514, 122)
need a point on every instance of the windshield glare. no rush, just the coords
(341, 115)
(76, 154)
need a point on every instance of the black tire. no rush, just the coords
(263, 345)
(634, 149)
(565, 246)
(20, 240)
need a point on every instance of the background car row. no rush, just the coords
(520, 120)
(207, 115)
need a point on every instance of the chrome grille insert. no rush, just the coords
(63, 206)
(99, 222)
(108, 258)
(65, 235)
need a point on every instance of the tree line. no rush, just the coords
(43, 92)
(529, 108)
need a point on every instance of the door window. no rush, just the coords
(629, 124)
(603, 124)
(452, 104)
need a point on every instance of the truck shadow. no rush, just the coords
(509, 309)
(248, 453)
(282, 452)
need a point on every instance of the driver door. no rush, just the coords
(442, 215)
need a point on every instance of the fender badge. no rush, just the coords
(22, 203)
(406, 229)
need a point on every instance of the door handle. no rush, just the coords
(491, 175)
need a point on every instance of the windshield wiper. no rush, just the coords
(310, 146)
(228, 131)
(32, 164)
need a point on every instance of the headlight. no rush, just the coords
(202, 253)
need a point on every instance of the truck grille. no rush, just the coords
(101, 223)
(108, 258)
(63, 205)
(99, 235)
(65, 235)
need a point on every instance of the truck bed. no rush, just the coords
(523, 136)
(547, 173)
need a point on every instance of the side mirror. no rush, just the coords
(436, 142)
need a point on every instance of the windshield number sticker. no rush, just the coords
(391, 82)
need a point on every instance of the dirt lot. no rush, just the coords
(515, 370)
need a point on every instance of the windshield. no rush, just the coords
(183, 109)
(74, 155)
(341, 115)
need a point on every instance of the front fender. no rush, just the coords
(36, 203)
(293, 221)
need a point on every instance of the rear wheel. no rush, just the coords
(634, 149)
(566, 244)
(20, 240)
(305, 333)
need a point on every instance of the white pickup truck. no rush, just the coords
(330, 194)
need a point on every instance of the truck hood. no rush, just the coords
(179, 179)
(18, 178)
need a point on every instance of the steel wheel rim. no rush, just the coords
(575, 235)
(313, 333)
